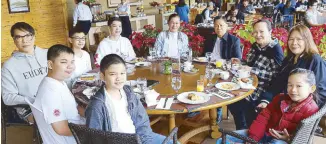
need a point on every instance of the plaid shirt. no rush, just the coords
(264, 63)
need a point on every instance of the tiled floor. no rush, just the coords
(24, 134)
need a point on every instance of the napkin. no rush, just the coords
(150, 97)
(246, 85)
(167, 105)
(90, 91)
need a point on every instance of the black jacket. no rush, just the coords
(230, 46)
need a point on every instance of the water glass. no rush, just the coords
(209, 75)
(176, 83)
(141, 84)
(152, 53)
(208, 56)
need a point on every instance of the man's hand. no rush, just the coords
(282, 135)
(81, 110)
(262, 105)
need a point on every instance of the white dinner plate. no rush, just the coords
(227, 86)
(183, 97)
(200, 59)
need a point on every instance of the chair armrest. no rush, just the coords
(231, 133)
(173, 135)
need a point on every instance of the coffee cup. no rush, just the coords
(188, 66)
(242, 73)
(224, 75)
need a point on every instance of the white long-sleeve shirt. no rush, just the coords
(121, 47)
(82, 12)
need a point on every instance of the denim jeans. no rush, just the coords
(158, 139)
(265, 139)
(289, 19)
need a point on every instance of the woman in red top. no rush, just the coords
(278, 121)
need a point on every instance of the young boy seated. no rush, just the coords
(77, 39)
(55, 100)
(115, 108)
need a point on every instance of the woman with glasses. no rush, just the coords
(82, 58)
(302, 53)
(172, 43)
(313, 16)
(114, 43)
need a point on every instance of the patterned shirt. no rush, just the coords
(162, 44)
(265, 63)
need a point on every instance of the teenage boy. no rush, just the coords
(77, 39)
(22, 73)
(55, 100)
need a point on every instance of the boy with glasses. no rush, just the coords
(77, 38)
(24, 70)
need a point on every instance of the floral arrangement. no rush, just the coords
(196, 41)
(142, 41)
(166, 67)
(154, 4)
(88, 2)
(319, 35)
(244, 32)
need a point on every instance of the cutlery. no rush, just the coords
(166, 99)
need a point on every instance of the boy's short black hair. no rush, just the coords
(112, 19)
(75, 30)
(110, 59)
(55, 50)
(21, 26)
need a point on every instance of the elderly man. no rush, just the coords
(225, 45)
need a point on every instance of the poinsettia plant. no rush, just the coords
(142, 41)
(244, 32)
(319, 36)
(196, 41)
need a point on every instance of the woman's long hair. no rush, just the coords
(181, 3)
(310, 46)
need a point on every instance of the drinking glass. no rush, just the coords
(175, 65)
(176, 83)
(152, 53)
(210, 75)
(142, 84)
(200, 86)
(208, 56)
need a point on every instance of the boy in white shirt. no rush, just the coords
(77, 39)
(114, 44)
(55, 100)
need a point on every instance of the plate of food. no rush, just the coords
(87, 77)
(191, 71)
(200, 59)
(136, 60)
(227, 86)
(193, 97)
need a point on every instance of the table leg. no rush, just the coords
(213, 115)
(171, 122)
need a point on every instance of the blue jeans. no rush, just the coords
(158, 139)
(265, 139)
(289, 19)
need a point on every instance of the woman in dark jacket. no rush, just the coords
(303, 53)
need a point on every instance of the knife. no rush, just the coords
(166, 99)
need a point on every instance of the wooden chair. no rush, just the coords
(84, 135)
(304, 134)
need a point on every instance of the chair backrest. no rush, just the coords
(199, 19)
(307, 127)
(84, 135)
(173, 135)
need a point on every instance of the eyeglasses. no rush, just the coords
(26, 37)
(79, 39)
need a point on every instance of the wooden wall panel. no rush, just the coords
(48, 17)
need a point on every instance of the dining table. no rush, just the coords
(189, 83)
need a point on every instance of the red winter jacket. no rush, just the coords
(276, 116)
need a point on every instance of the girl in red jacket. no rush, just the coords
(277, 123)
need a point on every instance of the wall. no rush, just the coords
(48, 17)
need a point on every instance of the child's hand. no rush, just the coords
(81, 110)
(262, 105)
(282, 135)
